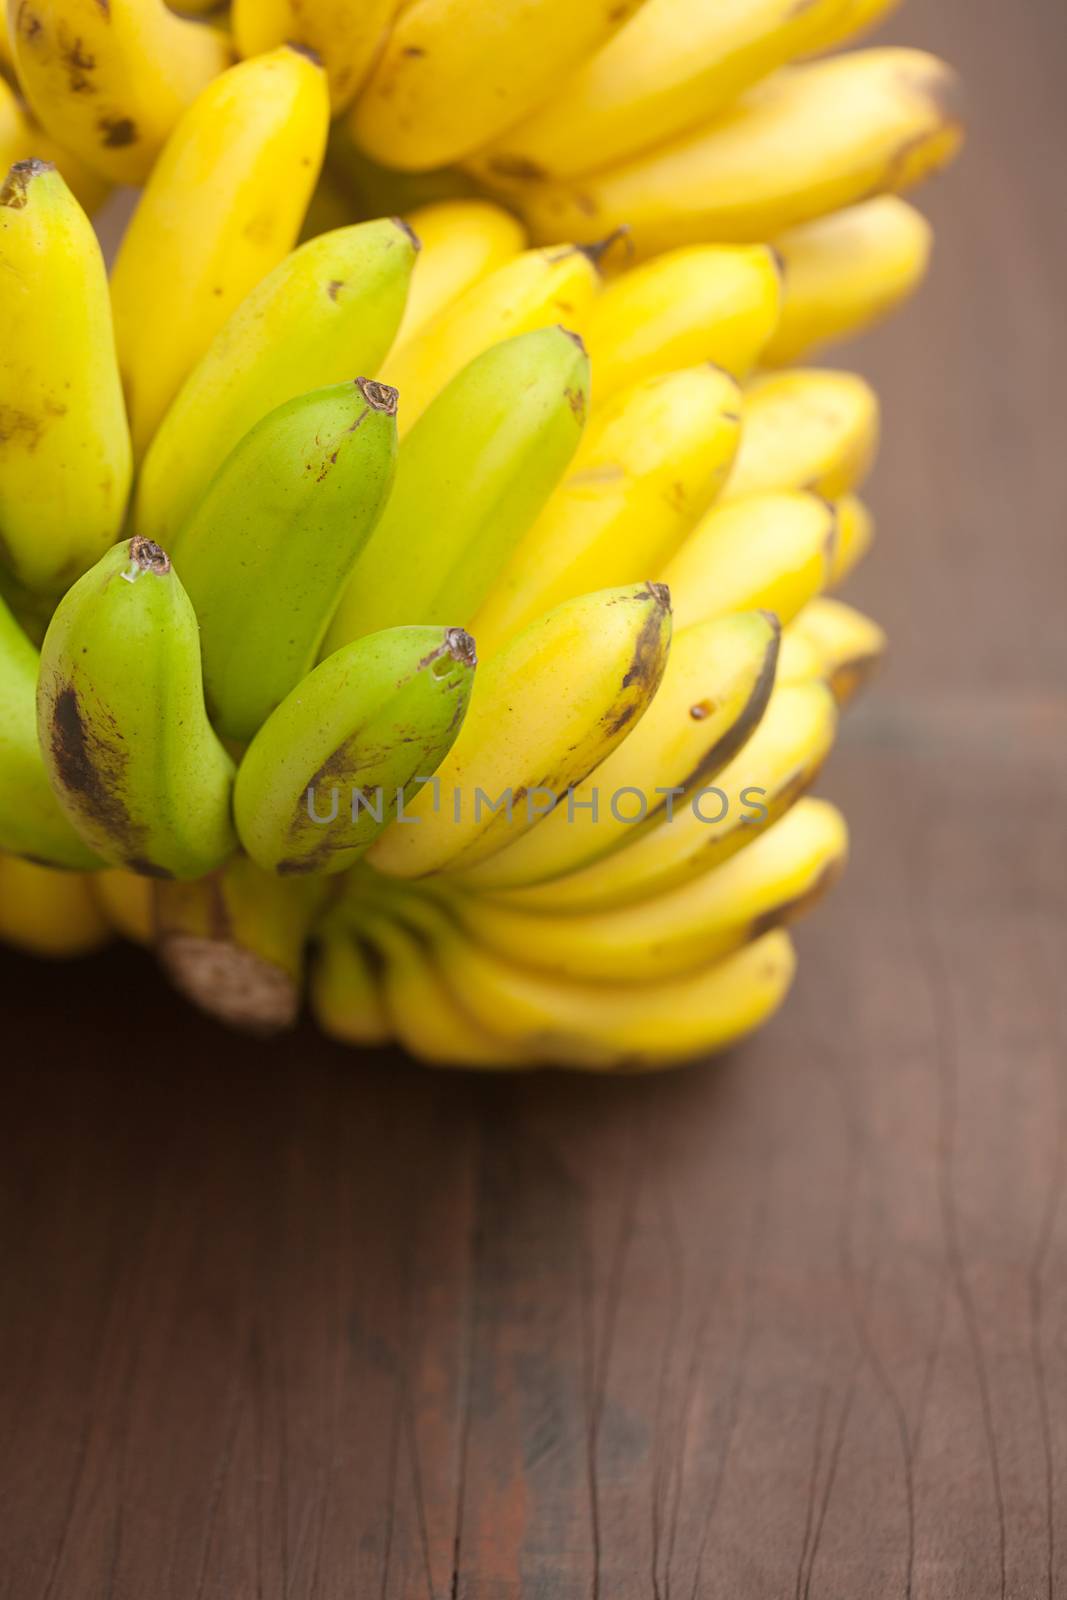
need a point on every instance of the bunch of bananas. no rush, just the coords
(445, 630)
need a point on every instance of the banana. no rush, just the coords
(49, 913)
(848, 645)
(845, 272)
(855, 535)
(7, 58)
(349, 746)
(344, 990)
(714, 691)
(267, 551)
(650, 463)
(126, 901)
(808, 141)
(674, 65)
(766, 776)
(222, 207)
(65, 461)
(781, 875)
(770, 551)
(858, 16)
(31, 821)
(126, 742)
(344, 36)
(327, 311)
(798, 659)
(806, 429)
(714, 303)
(462, 241)
(471, 478)
(233, 943)
(112, 80)
(21, 139)
(545, 711)
(538, 289)
(454, 73)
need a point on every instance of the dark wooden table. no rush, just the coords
(285, 1323)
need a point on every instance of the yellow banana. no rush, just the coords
(126, 901)
(7, 58)
(651, 461)
(537, 289)
(111, 80)
(798, 659)
(544, 712)
(858, 16)
(48, 912)
(223, 206)
(21, 139)
(848, 645)
(780, 876)
(65, 459)
(345, 36)
(808, 141)
(707, 303)
(846, 271)
(855, 534)
(454, 73)
(345, 991)
(462, 242)
(805, 429)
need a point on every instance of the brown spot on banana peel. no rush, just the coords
(724, 749)
(90, 769)
(117, 133)
(406, 228)
(648, 659)
(298, 47)
(15, 191)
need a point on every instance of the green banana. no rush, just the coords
(331, 766)
(266, 553)
(330, 309)
(128, 749)
(472, 475)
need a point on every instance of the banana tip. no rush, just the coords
(15, 188)
(461, 647)
(405, 227)
(148, 556)
(379, 396)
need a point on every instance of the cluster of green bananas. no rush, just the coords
(454, 620)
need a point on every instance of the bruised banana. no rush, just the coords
(49, 913)
(267, 550)
(462, 242)
(352, 743)
(471, 477)
(847, 645)
(65, 460)
(129, 751)
(808, 428)
(545, 711)
(328, 310)
(650, 463)
(344, 36)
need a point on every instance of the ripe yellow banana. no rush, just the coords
(848, 645)
(345, 36)
(714, 691)
(454, 73)
(808, 141)
(462, 242)
(544, 712)
(327, 312)
(855, 534)
(715, 303)
(344, 989)
(49, 913)
(858, 16)
(222, 207)
(111, 80)
(805, 429)
(846, 271)
(22, 139)
(650, 463)
(126, 901)
(798, 659)
(780, 876)
(65, 459)
(538, 289)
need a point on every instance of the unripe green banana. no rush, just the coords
(31, 822)
(330, 767)
(129, 751)
(266, 553)
(330, 309)
(472, 475)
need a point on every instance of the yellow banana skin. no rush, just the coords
(717, 303)
(249, 149)
(808, 428)
(49, 913)
(781, 875)
(111, 81)
(807, 142)
(65, 460)
(538, 289)
(650, 463)
(344, 990)
(848, 646)
(471, 478)
(456, 72)
(129, 751)
(327, 311)
(544, 712)
(23, 139)
(462, 242)
(857, 17)
(714, 691)
(845, 272)
(375, 719)
(126, 901)
(343, 35)
(855, 535)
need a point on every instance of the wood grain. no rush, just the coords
(284, 1323)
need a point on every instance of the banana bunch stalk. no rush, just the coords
(434, 617)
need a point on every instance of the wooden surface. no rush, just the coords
(285, 1324)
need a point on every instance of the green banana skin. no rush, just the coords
(126, 743)
(330, 309)
(374, 717)
(31, 821)
(267, 552)
(471, 477)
